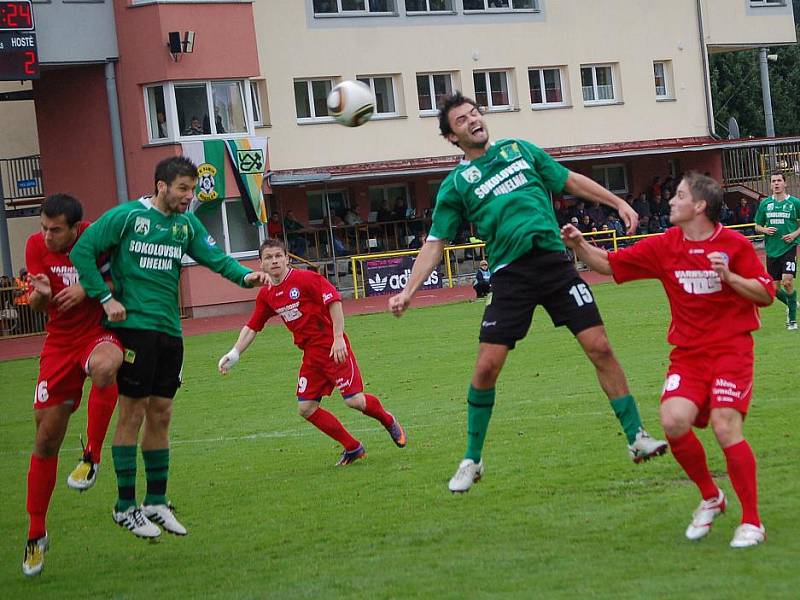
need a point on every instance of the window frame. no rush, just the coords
(257, 102)
(370, 81)
(450, 10)
(561, 70)
(225, 244)
(174, 132)
(666, 71)
(766, 3)
(595, 87)
(356, 13)
(309, 90)
(323, 193)
(605, 169)
(433, 111)
(536, 7)
(491, 107)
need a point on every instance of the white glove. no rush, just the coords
(227, 362)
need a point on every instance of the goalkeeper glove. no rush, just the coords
(227, 362)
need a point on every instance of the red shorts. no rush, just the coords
(319, 374)
(712, 378)
(63, 369)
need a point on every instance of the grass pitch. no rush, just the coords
(561, 513)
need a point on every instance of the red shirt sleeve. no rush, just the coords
(640, 261)
(262, 312)
(327, 292)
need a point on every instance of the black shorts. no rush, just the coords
(151, 363)
(546, 278)
(785, 264)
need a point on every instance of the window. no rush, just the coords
(429, 6)
(545, 87)
(353, 7)
(310, 99)
(230, 228)
(318, 208)
(383, 91)
(177, 110)
(256, 94)
(383, 198)
(431, 89)
(501, 5)
(491, 89)
(157, 113)
(194, 102)
(767, 2)
(662, 77)
(597, 82)
(611, 177)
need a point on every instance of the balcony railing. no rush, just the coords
(21, 182)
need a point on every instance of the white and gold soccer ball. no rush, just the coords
(351, 103)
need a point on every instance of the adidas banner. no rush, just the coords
(387, 276)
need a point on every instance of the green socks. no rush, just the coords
(792, 303)
(125, 465)
(781, 295)
(156, 466)
(628, 414)
(479, 412)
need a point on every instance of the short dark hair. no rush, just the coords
(449, 103)
(706, 188)
(777, 172)
(271, 243)
(169, 169)
(63, 204)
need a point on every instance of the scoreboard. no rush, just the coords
(19, 55)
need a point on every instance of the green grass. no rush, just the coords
(561, 512)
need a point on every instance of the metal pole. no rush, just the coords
(330, 234)
(5, 245)
(116, 134)
(765, 92)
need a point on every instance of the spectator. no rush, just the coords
(418, 240)
(596, 213)
(384, 212)
(274, 226)
(578, 210)
(194, 128)
(642, 208)
(659, 213)
(726, 216)
(22, 303)
(654, 191)
(585, 224)
(483, 276)
(613, 223)
(161, 119)
(351, 217)
(399, 211)
(744, 214)
(562, 213)
(668, 187)
(298, 244)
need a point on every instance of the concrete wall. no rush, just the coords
(736, 23)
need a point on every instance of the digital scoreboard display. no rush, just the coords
(19, 56)
(16, 16)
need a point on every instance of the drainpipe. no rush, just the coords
(116, 134)
(706, 75)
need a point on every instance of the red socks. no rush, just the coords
(689, 453)
(41, 481)
(328, 424)
(373, 408)
(742, 471)
(102, 402)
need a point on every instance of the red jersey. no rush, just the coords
(79, 321)
(301, 300)
(705, 311)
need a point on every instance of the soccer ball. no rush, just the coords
(351, 103)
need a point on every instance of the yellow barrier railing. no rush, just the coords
(600, 237)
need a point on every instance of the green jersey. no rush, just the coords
(783, 215)
(146, 247)
(506, 194)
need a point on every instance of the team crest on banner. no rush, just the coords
(510, 152)
(472, 175)
(180, 232)
(206, 183)
(142, 225)
(250, 161)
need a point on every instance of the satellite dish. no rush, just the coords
(733, 129)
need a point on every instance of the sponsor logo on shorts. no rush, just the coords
(725, 391)
(129, 356)
(672, 383)
(488, 323)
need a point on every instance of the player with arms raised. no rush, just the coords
(504, 189)
(777, 218)
(311, 309)
(76, 346)
(714, 283)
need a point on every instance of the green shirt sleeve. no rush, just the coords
(554, 174)
(203, 249)
(100, 237)
(760, 213)
(447, 215)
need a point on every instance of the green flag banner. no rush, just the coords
(209, 156)
(250, 161)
